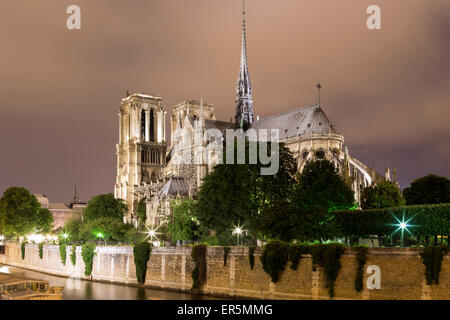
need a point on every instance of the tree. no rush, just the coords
(21, 213)
(181, 224)
(286, 221)
(44, 221)
(236, 193)
(73, 229)
(104, 206)
(320, 185)
(431, 189)
(110, 229)
(383, 195)
(141, 211)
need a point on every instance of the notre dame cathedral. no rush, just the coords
(148, 168)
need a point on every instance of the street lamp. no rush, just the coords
(238, 231)
(402, 226)
(65, 236)
(99, 236)
(152, 234)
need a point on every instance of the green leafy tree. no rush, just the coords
(236, 193)
(44, 221)
(104, 206)
(320, 185)
(111, 230)
(286, 222)
(431, 189)
(21, 213)
(383, 195)
(181, 224)
(73, 228)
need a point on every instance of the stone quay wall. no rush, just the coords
(402, 273)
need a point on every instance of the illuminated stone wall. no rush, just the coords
(402, 272)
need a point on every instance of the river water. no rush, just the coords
(87, 290)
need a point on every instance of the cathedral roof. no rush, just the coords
(174, 187)
(305, 120)
(220, 125)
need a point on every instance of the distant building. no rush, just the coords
(62, 212)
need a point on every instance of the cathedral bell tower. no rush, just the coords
(141, 151)
(244, 101)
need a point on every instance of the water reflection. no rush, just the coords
(85, 290)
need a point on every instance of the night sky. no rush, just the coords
(387, 91)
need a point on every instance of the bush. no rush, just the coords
(332, 264)
(427, 220)
(88, 252)
(134, 236)
(41, 250)
(226, 251)
(198, 254)
(73, 228)
(274, 257)
(112, 229)
(141, 251)
(296, 250)
(251, 257)
(73, 255)
(22, 249)
(63, 253)
(327, 256)
(432, 259)
(361, 257)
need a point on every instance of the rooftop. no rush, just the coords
(305, 120)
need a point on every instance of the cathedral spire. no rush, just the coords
(75, 195)
(319, 86)
(244, 102)
(387, 173)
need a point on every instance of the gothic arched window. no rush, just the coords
(152, 126)
(320, 155)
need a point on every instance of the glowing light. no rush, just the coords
(38, 238)
(152, 234)
(100, 235)
(65, 235)
(402, 226)
(238, 230)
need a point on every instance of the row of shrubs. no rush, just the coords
(423, 220)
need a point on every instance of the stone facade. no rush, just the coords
(62, 212)
(169, 268)
(141, 151)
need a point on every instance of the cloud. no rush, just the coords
(386, 91)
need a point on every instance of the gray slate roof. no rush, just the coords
(300, 121)
(174, 187)
(221, 125)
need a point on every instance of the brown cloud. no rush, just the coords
(387, 90)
